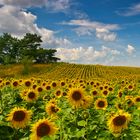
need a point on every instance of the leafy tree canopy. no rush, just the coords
(13, 50)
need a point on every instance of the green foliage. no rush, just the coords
(13, 50)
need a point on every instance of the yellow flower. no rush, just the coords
(23, 94)
(19, 117)
(39, 89)
(31, 96)
(52, 109)
(28, 83)
(15, 83)
(42, 128)
(87, 101)
(118, 122)
(101, 103)
(76, 97)
(58, 93)
(137, 99)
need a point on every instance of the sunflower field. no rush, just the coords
(70, 102)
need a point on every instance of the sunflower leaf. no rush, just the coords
(82, 123)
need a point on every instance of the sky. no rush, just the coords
(105, 32)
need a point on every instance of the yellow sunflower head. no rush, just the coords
(28, 83)
(31, 95)
(23, 94)
(119, 106)
(42, 128)
(94, 93)
(39, 89)
(19, 117)
(75, 97)
(129, 101)
(7, 83)
(58, 93)
(62, 83)
(48, 87)
(34, 86)
(101, 103)
(137, 100)
(54, 84)
(131, 87)
(105, 92)
(118, 122)
(87, 102)
(15, 83)
(52, 109)
(120, 93)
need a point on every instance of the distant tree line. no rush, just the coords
(14, 50)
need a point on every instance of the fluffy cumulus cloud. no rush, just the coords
(87, 55)
(101, 30)
(130, 11)
(52, 5)
(105, 34)
(130, 49)
(19, 22)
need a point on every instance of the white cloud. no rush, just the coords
(86, 27)
(87, 55)
(130, 11)
(130, 49)
(19, 22)
(23, 3)
(52, 5)
(105, 34)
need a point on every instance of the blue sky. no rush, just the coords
(83, 31)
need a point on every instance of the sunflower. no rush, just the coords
(101, 103)
(131, 87)
(39, 89)
(48, 87)
(64, 93)
(94, 93)
(23, 94)
(15, 83)
(91, 83)
(52, 109)
(43, 84)
(119, 106)
(7, 83)
(58, 93)
(105, 92)
(129, 100)
(62, 83)
(54, 84)
(101, 88)
(118, 122)
(1, 80)
(137, 99)
(42, 128)
(87, 101)
(31, 96)
(28, 83)
(19, 117)
(110, 89)
(120, 93)
(76, 97)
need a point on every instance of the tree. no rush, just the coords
(45, 56)
(9, 48)
(29, 45)
(14, 50)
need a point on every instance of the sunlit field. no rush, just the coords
(69, 102)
